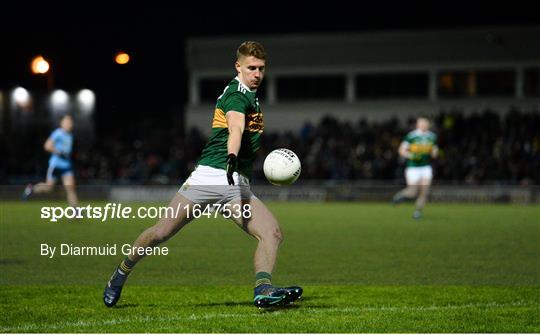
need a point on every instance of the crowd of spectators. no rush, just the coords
(476, 148)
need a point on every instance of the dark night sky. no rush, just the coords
(81, 46)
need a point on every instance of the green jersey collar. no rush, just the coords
(244, 86)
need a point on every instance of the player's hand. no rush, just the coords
(63, 155)
(231, 167)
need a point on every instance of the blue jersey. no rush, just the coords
(62, 142)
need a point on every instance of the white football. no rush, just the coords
(282, 167)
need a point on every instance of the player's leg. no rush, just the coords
(164, 229)
(424, 187)
(42, 187)
(407, 193)
(421, 200)
(48, 185)
(68, 179)
(265, 228)
(411, 191)
(262, 225)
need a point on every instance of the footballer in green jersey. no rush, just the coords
(222, 178)
(420, 145)
(418, 148)
(240, 98)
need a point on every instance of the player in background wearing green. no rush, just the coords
(418, 147)
(222, 177)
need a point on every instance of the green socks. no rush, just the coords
(126, 266)
(263, 278)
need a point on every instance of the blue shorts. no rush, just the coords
(53, 173)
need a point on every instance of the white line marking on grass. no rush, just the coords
(419, 308)
(60, 325)
(312, 310)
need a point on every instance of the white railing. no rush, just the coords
(315, 191)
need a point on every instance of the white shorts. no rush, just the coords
(419, 175)
(208, 185)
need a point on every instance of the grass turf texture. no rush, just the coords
(364, 268)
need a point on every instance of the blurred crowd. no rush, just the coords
(475, 149)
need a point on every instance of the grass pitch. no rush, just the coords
(364, 268)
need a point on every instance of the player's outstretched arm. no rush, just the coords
(235, 123)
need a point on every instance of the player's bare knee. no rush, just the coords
(277, 235)
(273, 235)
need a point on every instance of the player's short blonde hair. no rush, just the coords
(251, 48)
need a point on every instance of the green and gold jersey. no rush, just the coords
(420, 144)
(239, 98)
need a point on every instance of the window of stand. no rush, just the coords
(392, 85)
(470, 84)
(531, 85)
(312, 87)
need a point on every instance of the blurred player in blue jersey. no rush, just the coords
(59, 144)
